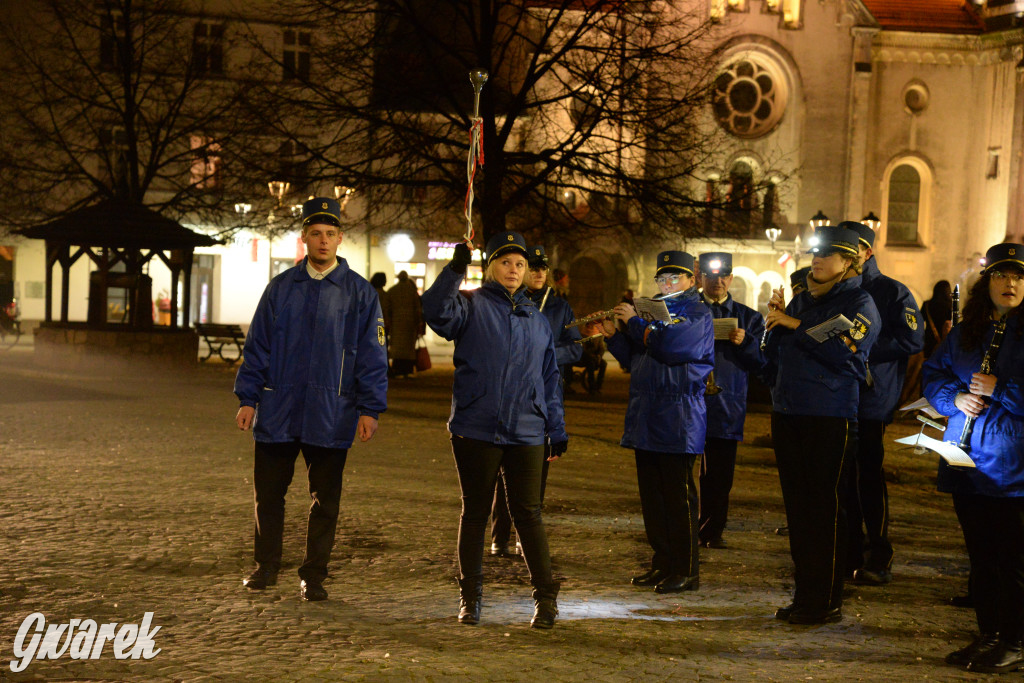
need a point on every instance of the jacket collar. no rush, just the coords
(498, 290)
(727, 304)
(335, 276)
(870, 270)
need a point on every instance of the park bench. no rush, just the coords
(218, 336)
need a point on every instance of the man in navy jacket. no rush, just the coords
(314, 374)
(736, 357)
(665, 420)
(900, 336)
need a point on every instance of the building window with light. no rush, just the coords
(205, 163)
(904, 204)
(296, 57)
(208, 48)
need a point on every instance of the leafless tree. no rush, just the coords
(595, 115)
(123, 99)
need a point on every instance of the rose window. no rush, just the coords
(748, 99)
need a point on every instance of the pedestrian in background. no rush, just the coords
(406, 325)
(379, 282)
(736, 357)
(567, 351)
(665, 419)
(313, 375)
(989, 497)
(816, 377)
(506, 404)
(938, 316)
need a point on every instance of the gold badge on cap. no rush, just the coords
(537, 252)
(324, 205)
(510, 238)
(666, 258)
(1012, 251)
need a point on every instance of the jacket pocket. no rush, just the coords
(346, 372)
(273, 412)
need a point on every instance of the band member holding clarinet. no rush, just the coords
(665, 420)
(818, 347)
(900, 335)
(568, 350)
(736, 355)
(506, 403)
(976, 377)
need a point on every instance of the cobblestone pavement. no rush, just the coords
(121, 496)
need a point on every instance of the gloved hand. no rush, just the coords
(461, 258)
(558, 448)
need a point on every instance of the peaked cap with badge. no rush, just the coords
(504, 242)
(674, 262)
(865, 235)
(833, 238)
(321, 210)
(1007, 253)
(537, 258)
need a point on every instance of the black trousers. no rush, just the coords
(668, 499)
(478, 463)
(810, 454)
(716, 472)
(272, 473)
(994, 533)
(501, 519)
(867, 500)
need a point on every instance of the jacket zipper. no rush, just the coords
(341, 373)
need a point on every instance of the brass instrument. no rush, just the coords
(710, 388)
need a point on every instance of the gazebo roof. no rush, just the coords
(119, 223)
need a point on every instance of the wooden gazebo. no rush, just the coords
(117, 232)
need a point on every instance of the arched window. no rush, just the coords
(903, 224)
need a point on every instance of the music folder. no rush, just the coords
(832, 327)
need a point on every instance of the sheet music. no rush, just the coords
(924, 406)
(724, 327)
(950, 452)
(830, 328)
(652, 309)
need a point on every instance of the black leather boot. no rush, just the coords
(472, 590)
(1006, 656)
(979, 646)
(545, 607)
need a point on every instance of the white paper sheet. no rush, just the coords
(830, 328)
(950, 452)
(924, 406)
(724, 327)
(652, 309)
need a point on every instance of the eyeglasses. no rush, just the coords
(999, 276)
(667, 279)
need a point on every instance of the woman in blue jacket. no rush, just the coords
(989, 498)
(814, 401)
(506, 402)
(665, 419)
(567, 351)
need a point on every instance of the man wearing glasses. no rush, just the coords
(665, 420)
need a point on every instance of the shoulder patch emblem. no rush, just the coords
(380, 335)
(911, 320)
(858, 330)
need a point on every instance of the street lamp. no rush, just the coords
(872, 221)
(772, 234)
(819, 220)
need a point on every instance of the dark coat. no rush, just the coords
(901, 336)
(668, 366)
(727, 409)
(997, 437)
(506, 389)
(314, 358)
(822, 378)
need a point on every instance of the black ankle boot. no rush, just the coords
(472, 590)
(1006, 656)
(545, 607)
(979, 646)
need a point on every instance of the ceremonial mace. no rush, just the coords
(477, 77)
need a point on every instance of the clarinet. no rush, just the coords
(986, 369)
(956, 305)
